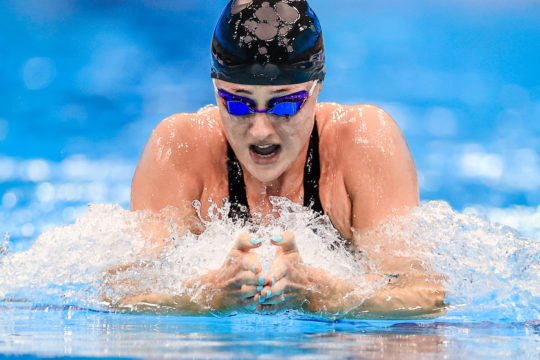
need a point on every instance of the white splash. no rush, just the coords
(490, 271)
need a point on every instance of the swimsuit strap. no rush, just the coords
(312, 172)
(237, 187)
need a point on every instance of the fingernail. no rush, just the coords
(261, 280)
(261, 300)
(268, 293)
(277, 239)
(259, 288)
(255, 241)
(273, 281)
(254, 270)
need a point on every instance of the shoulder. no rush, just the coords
(181, 148)
(371, 154)
(364, 125)
(180, 136)
(362, 134)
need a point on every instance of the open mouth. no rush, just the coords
(264, 153)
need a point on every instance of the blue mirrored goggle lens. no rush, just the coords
(238, 108)
(286, 108)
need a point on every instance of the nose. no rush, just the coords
(261, 128)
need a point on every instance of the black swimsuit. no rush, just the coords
(312, 172)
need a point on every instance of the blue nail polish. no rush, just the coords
(261, 280)
(273, 281)
(255, 241)
(259, 288)
(254, 270)
(268, 293)
(261, 300)
(277, 239)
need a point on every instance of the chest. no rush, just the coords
(333, 195)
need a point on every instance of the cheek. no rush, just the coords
(296, 131)
(233, 129)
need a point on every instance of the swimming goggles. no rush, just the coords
(284, 106)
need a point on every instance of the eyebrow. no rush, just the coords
(241, 91)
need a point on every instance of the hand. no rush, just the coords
(234, 284)
(287, 283)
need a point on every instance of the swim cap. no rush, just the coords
(268, 42)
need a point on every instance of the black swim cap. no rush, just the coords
(268, 42)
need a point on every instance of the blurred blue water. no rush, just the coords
(83, 83)
(50, 331)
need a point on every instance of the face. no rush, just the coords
(267, 144)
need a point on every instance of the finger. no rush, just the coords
(281, 301)
(251, 262)
(277, 272)
(248, 291)
(289, 302)
(246, 242)
(268, 293)
(286, 242)
(283, 287)
(243, 277)
(274, 298)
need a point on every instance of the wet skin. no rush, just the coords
(367, 174)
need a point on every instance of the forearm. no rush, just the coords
(197, 297)
(182, 304)
(402, 298)
(394, 297)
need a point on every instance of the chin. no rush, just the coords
(266, 175)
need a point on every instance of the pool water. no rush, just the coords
(84, 83)
(53, 300)
(49, 331)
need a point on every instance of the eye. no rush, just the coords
(286, 108)
(238, 108)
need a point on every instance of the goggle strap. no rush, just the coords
(310, 92)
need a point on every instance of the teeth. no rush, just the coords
(266, 150)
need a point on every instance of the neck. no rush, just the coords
(289, 184)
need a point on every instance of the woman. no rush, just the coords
(268, 136)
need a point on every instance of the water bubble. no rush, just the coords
(9, 200)
(45, 192)
(38, 170)
(68, 192)
(38, 73)
(75, 167)
(69, 214)
(482, 165)
(7, 168)
(27, 230)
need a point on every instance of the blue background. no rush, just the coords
(83, 83)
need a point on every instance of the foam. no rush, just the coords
(490, 271)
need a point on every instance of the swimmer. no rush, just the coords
(268, 136)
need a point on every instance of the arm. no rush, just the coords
(168, 178)
(230, 287)
(292, 284)
(388, 187)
